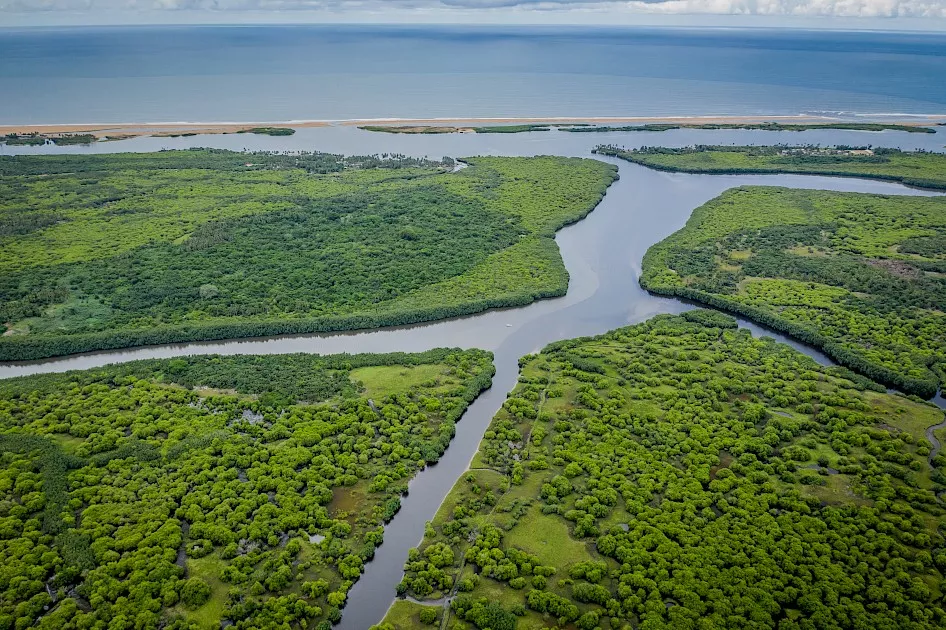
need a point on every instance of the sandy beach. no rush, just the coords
(128, 130)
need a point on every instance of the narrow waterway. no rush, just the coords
(602, 253)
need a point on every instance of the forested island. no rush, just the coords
(861, 276)
(913, 168)
(270, 131)
(109, 251)
(39, 139)
(681, 474)
(591, 128)
(764, 126)
(185, 492)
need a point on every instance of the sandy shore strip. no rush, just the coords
(128, 130)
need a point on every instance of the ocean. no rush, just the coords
(282, 73)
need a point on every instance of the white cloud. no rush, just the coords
(834, 8)
(787, 8)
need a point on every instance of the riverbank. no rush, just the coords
(121, 131)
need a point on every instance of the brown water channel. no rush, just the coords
(602, 253)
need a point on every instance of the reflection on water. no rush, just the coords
(602, 253)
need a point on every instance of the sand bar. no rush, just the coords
(128, 130)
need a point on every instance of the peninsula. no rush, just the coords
(117, 250)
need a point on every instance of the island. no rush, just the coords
(36, 139)
(680, 473)
(591, 128)
(438, 129)
(204, 490)
(760, 126)
(110, 251)
(921, 169)
(269, 131)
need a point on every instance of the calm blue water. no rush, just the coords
(146, 74)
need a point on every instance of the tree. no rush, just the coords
(428, 615)
(195, 592)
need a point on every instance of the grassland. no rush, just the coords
(129, 249)
(681, 474)
(182, 493)
(920, 169)
(861, 276)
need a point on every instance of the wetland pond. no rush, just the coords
(602, 254)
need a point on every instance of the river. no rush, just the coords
(602, 253)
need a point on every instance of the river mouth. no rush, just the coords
(602, 254)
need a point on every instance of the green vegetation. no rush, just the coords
(919, 168)
(861, 276)
(270, 131)
(525, 128)
(415, 129)
(180, 493)
(37, 139)
(436, 129)
(681, 474)
(118, 250)
(23, 139)
(644, 127)
(766, 126)
(405, 614)
(73, 138)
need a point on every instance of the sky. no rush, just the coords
(843, 14)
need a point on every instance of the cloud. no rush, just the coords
(794, 8)
(833, 8)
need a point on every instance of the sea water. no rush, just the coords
(281, 73)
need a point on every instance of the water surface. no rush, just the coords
(273, 73)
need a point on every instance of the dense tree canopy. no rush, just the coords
(126, 249)
(180, 493)
(682, 474)
(914, 168)
(863, 276)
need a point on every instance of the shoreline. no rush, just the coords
(121, 131)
